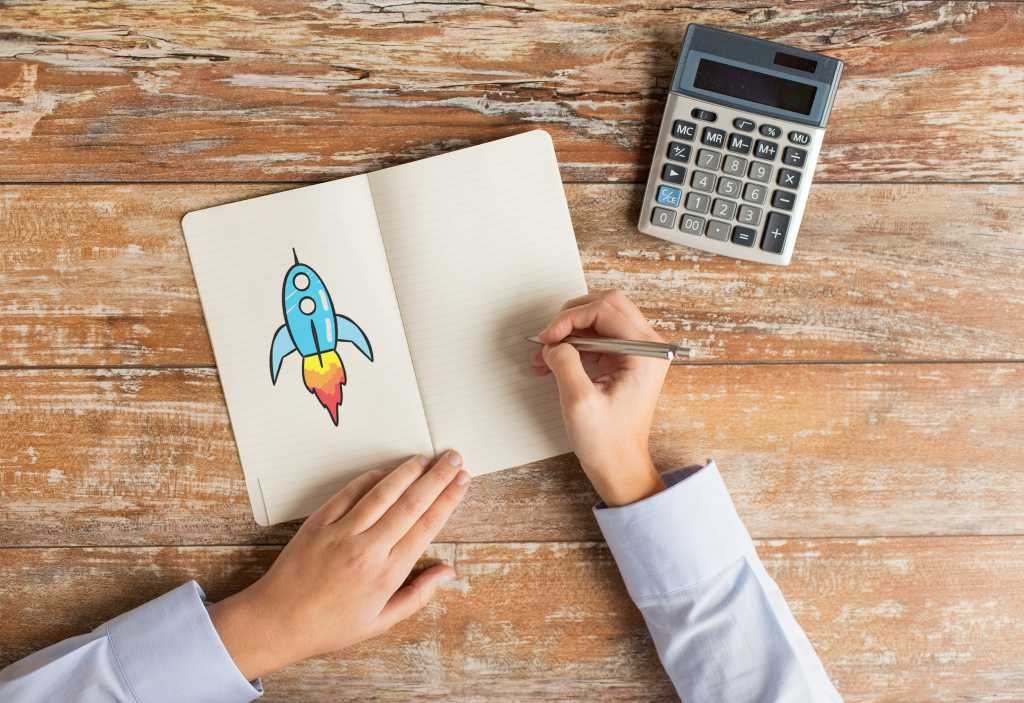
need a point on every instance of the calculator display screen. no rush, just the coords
(756, 87)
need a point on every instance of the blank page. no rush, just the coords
(482, 254)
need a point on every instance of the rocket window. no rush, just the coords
(307, 305)
(301, 282)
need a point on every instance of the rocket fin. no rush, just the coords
(349, 331)
(281, 347)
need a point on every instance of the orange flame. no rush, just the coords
(324, 375)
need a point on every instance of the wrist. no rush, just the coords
(626, 481)
(242, 627)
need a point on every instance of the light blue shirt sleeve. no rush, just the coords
(165, 651)
(722, 629)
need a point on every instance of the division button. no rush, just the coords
(673, 173)
(794, 157)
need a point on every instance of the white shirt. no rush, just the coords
(720, 624)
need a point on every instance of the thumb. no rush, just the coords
(412, 597)
(564, 361)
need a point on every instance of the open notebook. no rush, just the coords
(414, 285)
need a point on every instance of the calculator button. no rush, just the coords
(789, 178)
(783, 200)
(743, 235)
(771, 131)
(691, 224)
(678, 152)
(743, 124)
(718, 230)
(728, 186)
(703, 181)
(706, 115)
(775, 232)
(760, 171)
(749, 215)
(800, 138)
(734, 165)
(660, 217)
(684, 130)
(792, 156)
(765, 150)
(713, 137)
(726, 209)
(667, 195)
(673, 173)
(697, 202)
(740, 143)
(709, 159)
(754, 193)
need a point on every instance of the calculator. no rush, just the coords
(738, 144)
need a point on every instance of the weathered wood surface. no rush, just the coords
(100, 275)
(147, 457)
(305, 91)
(896, 620)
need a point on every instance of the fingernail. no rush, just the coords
(454, 458)
(423, 461)
(463, 478)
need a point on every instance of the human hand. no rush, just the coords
(608, 418)
(339, 581)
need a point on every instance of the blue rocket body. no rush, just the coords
(311, 325)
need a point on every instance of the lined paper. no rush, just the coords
(481, 251)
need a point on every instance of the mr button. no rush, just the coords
(775, 232)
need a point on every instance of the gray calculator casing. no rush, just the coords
(685, 99)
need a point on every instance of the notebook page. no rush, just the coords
(482, 254)
(292, 453)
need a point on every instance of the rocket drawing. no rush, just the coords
(312, 327)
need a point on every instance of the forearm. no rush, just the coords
(722, 629)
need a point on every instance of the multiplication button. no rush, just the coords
(789, 178)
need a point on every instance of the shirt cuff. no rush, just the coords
(676, 538)
(169, 650)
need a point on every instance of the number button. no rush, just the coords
(698, 203)
(673, 173)
(775, 232)
(743, 235)
(749, 215)
(706, 115)
(718, 230)
(660, 217)
(728, 186)
(726, 209)
(754, 193)
(760, 171)
(679, 152)
(794, 157)
(684, 130)
(770, 131)
(709, 159)
(788, 178)
(740, 143)
(734, 165)
(713, 137)
(667, 195)
(692, 224)
(743, 124)
(765, 150)
(783, 200)
(800, 138)
(703, 181)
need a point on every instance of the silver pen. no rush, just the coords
(674, 353)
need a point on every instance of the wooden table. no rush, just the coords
(866, 404)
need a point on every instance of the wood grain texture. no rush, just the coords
(147, 457)
(274, 90)
(893, 620)
(99, 275)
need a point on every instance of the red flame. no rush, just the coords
(324, 375)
